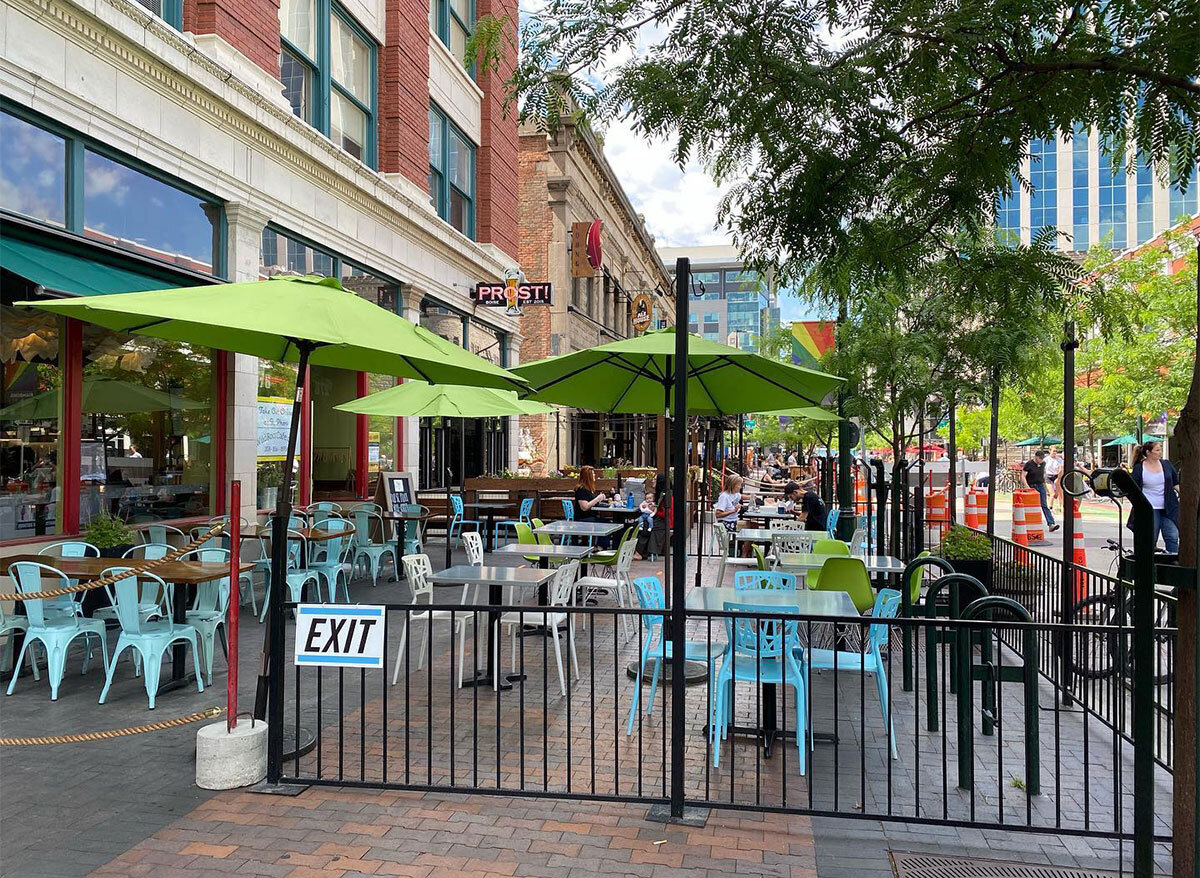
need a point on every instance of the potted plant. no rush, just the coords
(969, 552)
(112, 536)
(269, 479)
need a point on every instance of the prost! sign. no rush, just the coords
(495, 295)
(339, 636)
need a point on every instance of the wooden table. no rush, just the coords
(495, 578)
(803, 602)
(179, 573)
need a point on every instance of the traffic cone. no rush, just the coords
(1021, 556)
(860, 494)
(1035, 526)
(1079, 554)
(972, 508)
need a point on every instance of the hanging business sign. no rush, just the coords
(641, 312)
(498, 295)
(339, 636)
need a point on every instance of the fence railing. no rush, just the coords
(578, 723)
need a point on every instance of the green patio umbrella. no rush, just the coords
(808, 412)
(305, 320)
(101, 396)
(1127, 439)
(416, 400)
(1038, 440)
(635, 376)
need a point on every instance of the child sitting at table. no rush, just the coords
(647, 508)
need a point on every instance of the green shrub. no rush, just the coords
(961, 543)
(107, 531)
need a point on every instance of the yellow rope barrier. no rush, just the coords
(114, 733)
(132, 570)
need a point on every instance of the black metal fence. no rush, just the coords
(999, 751)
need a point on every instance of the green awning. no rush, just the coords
(63, 272)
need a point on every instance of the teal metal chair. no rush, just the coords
(326, 560)
(650, 596)
(11, 624)
(152, 602)
(864, 661)
(150, 640)
(457, 522)
(71, 604)
(210, 607)
(160, 534)
(764, 580)
(297, 575)
(55, 631)
(761, 650)
(523, 515)
(414, 531)
(363, 548)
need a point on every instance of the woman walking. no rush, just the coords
(1159, 481)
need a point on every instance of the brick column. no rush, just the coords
(245, 225)
(404, 91)
(496, 172)
(250, 26)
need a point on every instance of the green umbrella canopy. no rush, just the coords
(1127, 439)
(101, 396)
(270, 318)
(635, 376)
(418, 400)
(1038, 440)
(808, 413)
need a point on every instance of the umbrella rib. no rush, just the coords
(772, 381)
(640, 372)
(142, 326)
(711, 398)
(562, 378)
(418, 371)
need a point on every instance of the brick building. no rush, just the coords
(180, 142)
(565, 179)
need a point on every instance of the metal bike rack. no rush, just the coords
(958, 638)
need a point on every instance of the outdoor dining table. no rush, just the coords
(489, 508)
(875, 564)
(495, 578)
(804, 602)
(179, 573)
(545, 554)
(755, 534)
(616, 510)
(768, 513)
(590, 529)
(402, 532)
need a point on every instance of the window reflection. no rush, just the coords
(32, 171)
(29, 383)
(146, 439)
(373, 288)
(131, 210)
(281, 254)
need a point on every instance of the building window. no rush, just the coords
(451, 173)
(1145, 199)
(1111, 197)
(1008, 215)
(1043, 178)
(284, 254)
(1079, 190)
(170, 11)
(327, 67)
(64, 180)
(1182, 203)
(452, 21)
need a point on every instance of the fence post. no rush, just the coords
(1067, 586)
(235, 563)
(678, 547)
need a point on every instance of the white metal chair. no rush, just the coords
(858, 542)
(418, 570)
(619, 584)
(785, 524)
(562, 590)
(724, 541)
(797, 541)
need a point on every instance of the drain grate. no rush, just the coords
(909, 865)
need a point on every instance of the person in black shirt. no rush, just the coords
(586, 497)
(1035, 478)
(816, 516)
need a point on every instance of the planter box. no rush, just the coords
(98, 597)
(980, 569)
(534, 485)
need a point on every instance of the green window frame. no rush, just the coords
(453, 202)
(453, 22)
(170, 11)
(316, 95)
(77, 149)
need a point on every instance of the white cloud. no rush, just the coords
(680, 205)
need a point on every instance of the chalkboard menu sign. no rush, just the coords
(393, 492)
(274, 424)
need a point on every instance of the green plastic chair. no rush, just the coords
(150, 640)
(826, 547)
(759, 556)
(53, 630)
(526, 537)
(608, 558)
(848, 575)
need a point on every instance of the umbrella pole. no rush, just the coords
(706, 432)
(269, 692)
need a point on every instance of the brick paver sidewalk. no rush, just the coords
(334, 832)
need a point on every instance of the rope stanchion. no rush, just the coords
(114, 733)
(131, 570)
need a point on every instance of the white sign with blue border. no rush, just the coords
(339, 636)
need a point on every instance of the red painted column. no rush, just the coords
(70, 364)
(362, 444)
(398, 441)
(306, 416)
(220, 428)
